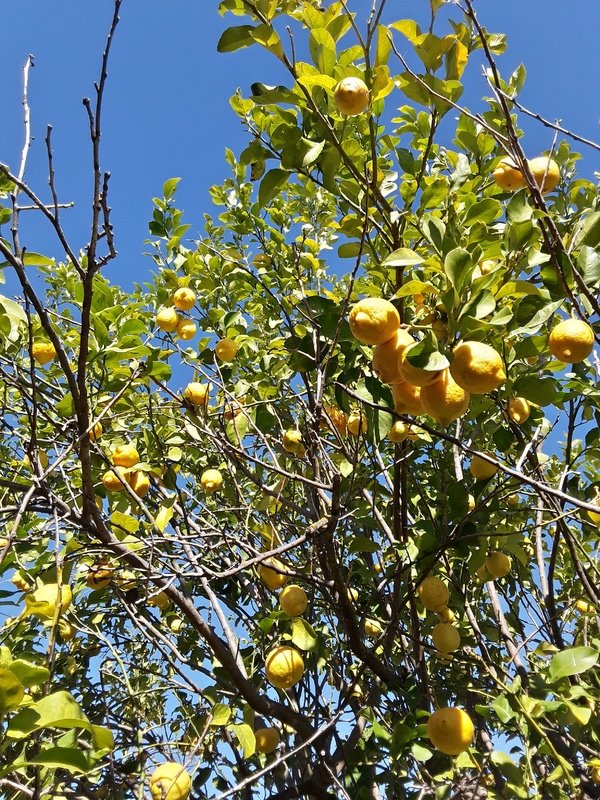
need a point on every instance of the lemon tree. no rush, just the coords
(312, 513)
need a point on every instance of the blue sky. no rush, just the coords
(167, 112)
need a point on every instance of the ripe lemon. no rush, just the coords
(351, 96)
(434, 593)
(481, 469)
(338, 419)
(445, 614)
(95, 432)
(477, 367)
(66, 631)
(293, 600)
(271, 574)
(211, 480)
(99, 576)
(357, 423)
(445, 637)
(125, 455)
(140, 483)
(292, 441)
(546, 173)
(43, 352)
(487, 265)
(518, 409)
(184, 298)
(386, 356)
(414, 375)
(111, 481)
(508, 176)
(450, 730)
(407, 398)
(167, 319)
(226, 349)
(595, 774)
(353, 594)
(267, 740)
(498, 564)
(170, 781)
(186, 329)
(444, 399)
(373, 628)
(196, 393)
(571, 341)
(284, 667)
(373, 320)
(20, 582)
(584, 607)
(43, 601)
(400, 431)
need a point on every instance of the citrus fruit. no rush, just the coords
(357, 423)
(99, 576)
(444, 399)
(407, 398)
(445, 637)
(373, 628)
(284, 667)
(292, 441)
(373, 320)
(450, 730)
(184, 298)
(140, 483)
(498, 564)
(167, 319)
(508, 176)
(351, 96)
(434, 593)
(170, 781)
(518, 409)
(271, 574)
(416, 376)
(338, 419)
(226, 349)
(186, 329)
(487, 265)
(111, 481)
(95, 432)
(445, 614)
(571, 341)
(546, 173)
(481, 469)
(125, 455)
(20, 582)
(477, 367)
(267, 740)
(293, 600)
(196, 393)
(211, 480)
(584, 607)
(400, 431)
(43, 352)
(43, 601)
(386, 356)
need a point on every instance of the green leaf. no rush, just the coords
(221, 714)
(588, 264)
(16, 317)
(403, 257)
(415, 287)
(590, 231)
(71, 759)
(542, 391)
(235, 38)
(37, 260)
(125, 522)
(572, 662)
(538, 319)
(425, 354)
(11, 691)
(323, 50)
(270, 185)
(485, 211)
(27, 673)
(268, 37)
(458, 267)
(362, 544)
(169, 187)
(245, 736)
(303, 634)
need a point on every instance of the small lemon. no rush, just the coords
(508, 176)
(125, 455)
(267, 740)
(292, 441)
(444, 399)
(357, 423)
(170, 781)
(446, 614)
(338, 419)
(445, 637)
(477, 367)
(546, 173)
(211, 480)
(99, 576)
(95, 432)
(226, 350)
(450, 730)
(399, 432)
(571, 341)
(42, 458)
(373, 628)
(518, 409)
(43, 352)
(386, 356)
(481, 469)
(373, 320)
(184, 298)
(167, 319)
(272, 574)
(140, 483)
(186, 329)
(434, 593)
(293, 600)
(584, 607)
(284, 667)
(351, 96)
(498, 564)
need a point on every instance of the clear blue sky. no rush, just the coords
(167, 110)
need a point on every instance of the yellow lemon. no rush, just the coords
(292, 441)
(271, 574)
(111, 481)
(43, 601)
(186, 329)
(584, 607)
(42, 458)
(445, 614)
(284, 667)
(167, 319)
(184, 298)
(196, 393)
(414, 375)
(445, 637)
(99, 576)
(95, 432)
(518, 409)
(386, 356)
(373, 320)
(571, 341)
(434, 593)
(508, 176)
(546, 173)
(20, 582)
(226, 350)
(407, 398)
(481, 469)
(267, 740)
(351, 96)
(477, 367)
(357, 423)
(450, 730)
(211, 480)
(338, 419)
(43, 352)
(170, 781)
(293, 600)
(125, 455)
(498, 564)
(444, 399)
(140, 483)
(373, 628)
(595, 774)
(400, 431)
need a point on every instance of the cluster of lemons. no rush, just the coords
(124, 458)
(169, 321)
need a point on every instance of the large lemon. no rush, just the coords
(351, 96)
(271, 574)
(170, 781)
(267, 740)
(226, 349)
(415, 375)
(445, 637)
(43, 352)
(546, 173)
(293, 600)
(196, 393)
(167, 319)
(125, 455)
(284, 667)
(498, 564)
(481, 469)
(373, 320)
(184, 298)
(450, 730)
(444, 399)
(518, 409)
(477, 367)
(571, 341)
(292, 441)
(386, 356)
(211, 480)
(356, 423)
(508, 176)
